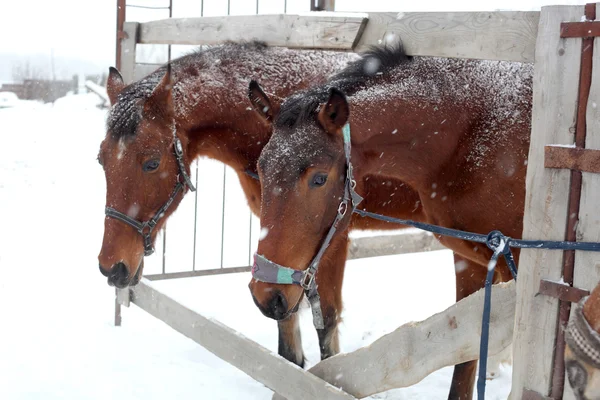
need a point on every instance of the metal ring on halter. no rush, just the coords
(342, 208)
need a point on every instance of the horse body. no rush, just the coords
(202, 100)
(456, 131)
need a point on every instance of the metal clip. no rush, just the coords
(308, 279)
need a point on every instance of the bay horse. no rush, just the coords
(582, 353)
(200, 102)
(455, 131)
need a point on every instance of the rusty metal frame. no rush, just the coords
(573, 158)
(562, 291)
(587, 29)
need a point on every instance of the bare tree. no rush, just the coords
(25, 69)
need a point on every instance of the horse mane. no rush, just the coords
(126, 114)
(374, 62)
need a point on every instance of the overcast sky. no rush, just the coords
(85, 29)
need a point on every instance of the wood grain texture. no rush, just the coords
(481, 35)
(128, 46)
(287, 30)
(270, 369)
(414, 350)
(555, 90)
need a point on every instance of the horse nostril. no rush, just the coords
(278, 305)
(119, 276)
(103, 271)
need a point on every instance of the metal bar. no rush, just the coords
(148, 63)
(586, 29)
(195, 219)
(147, 7)
(164, 252)
(250, 241)
(199, 272)
(257, 7)
(577, 159)
(561, 291)
(223, 215)
(585, 79)
(170, 16)
(117, 310)
(285, 7)
(322, 5)
(120, 21)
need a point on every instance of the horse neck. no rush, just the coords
(216, 114)
(404, 142)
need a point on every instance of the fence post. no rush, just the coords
(555, 91)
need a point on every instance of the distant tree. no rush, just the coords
(25, 69)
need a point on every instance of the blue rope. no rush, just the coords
(500, 245)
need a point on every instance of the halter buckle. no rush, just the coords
(308, 279)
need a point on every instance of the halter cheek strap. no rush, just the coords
(265, 270)
(146, 228)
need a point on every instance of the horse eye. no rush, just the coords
(318, 180)
(151, 165)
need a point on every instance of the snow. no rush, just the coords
(58, 339)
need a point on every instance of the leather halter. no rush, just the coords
(146, 228)
(582, 338)
(265, 270)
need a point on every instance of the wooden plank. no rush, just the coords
(498, 35)
(555, 90)
(587, 264)
(128, 45)
(261, 364)
(416, 349)
(385, 245)
(363, 247)
(294, 31)
(142, 70)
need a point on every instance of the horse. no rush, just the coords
(197, 106)
(455, 131)
(582, 351)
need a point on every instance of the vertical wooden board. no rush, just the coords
(587, 264)
(128, 51)
(210, 210)
(180, 233)
(555, 92)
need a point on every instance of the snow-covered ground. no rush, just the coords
(56, 335)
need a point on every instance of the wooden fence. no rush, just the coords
(488, 35)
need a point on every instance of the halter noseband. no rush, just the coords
(145, 228)
(265, 270)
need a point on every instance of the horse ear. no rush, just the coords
(161, 101)
(335, 113)
(114, 85)
(260, 101)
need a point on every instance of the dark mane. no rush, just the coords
(126, 115)
(374, 62)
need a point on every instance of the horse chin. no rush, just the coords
(138, 274)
